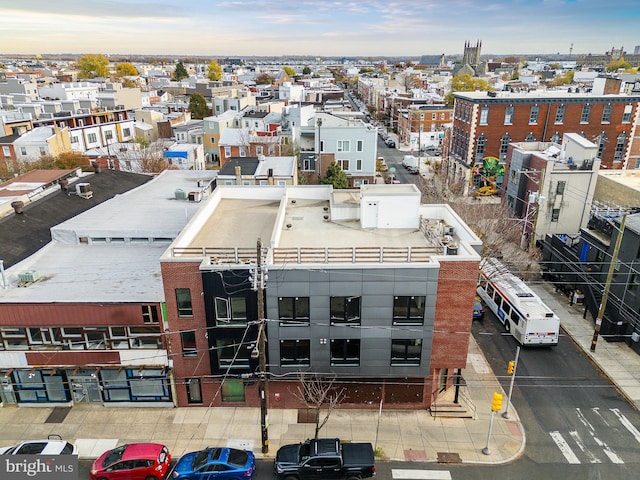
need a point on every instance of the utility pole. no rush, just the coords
(607, 285)
(259, 285)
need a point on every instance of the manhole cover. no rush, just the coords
(445, 457)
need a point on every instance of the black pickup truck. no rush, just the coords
(325, 459)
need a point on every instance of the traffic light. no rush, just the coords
(496, 402)
(511, 366)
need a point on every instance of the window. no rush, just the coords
(232, 353)
(227, 152)
(484, 115)
(504, 146)
(259, 149)
(74, 139)
(183, 301)
(626, 115)
(295, 353)
(344, 165)
(406, 352)
(43, 151)
(108, 135)
(231, 310)
(408, 310)
(555, 214)
(23, 150)
(293, 310)
(359, 165)
(530, 138)
(150, 314)
(243, 152)
(606, 113)
(555, 138)
(188, 339)
(634, 281)
(619, 152)
(344, 146)
(586, 113)
(560, 114)
(480, 146)
(91, 138)
(194, 390)
(126, 132)
(560, 187)
(533, 115)
(508, 115)
(359, 146)
(345, 352)
(6, 151)
(602, 140)
(345, 310)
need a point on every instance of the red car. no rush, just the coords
(134, 461)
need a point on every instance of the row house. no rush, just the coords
(213, 128)
(423, 126)
(13, 122)
(104, 340)
(185, 156)
(259, 171)
(391, 323)
(242, 142)
(27, 90)
(352, 144)
(70, 91)
(551, 186)
(40, 142)
(485, 123)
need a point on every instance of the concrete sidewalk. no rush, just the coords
(398, 435)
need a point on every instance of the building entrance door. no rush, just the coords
(85, 389)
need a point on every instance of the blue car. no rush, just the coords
(215, 464)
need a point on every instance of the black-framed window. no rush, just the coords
(530, 138)
(194, 390)
(533, 114)
(602, 141)
(293, 310)
(345, 352)
(504, 145)
(295, 353)
(150, 314)
(555, 214)
(619, 152)
(345, 310)
(408, 310)
(606, 113)
(188, 339)
(183, 301)
(480, 146)
(406, 351)
(232, 353)
(231, 310)
(561, 185)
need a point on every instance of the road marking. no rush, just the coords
(608, 451)
(399, 474)
(627, 424)
(564, 447)
(576, 438)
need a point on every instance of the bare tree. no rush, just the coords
(317, 392)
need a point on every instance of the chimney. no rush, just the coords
(238, 171)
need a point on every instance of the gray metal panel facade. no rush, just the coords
(376, 287)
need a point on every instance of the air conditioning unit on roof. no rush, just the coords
(28, 276)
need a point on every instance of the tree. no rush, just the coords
(180, 72)
(335, 176)
(466, 83)
(289, 71)
(317, 392)
(126, 69)
(93, 65)
(615, 65)
(198, 106)
(306, 70)
(214, 71)
(264, 79)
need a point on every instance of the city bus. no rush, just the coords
(517, 307)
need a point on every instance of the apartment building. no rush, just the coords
(485, 123)
(365, 285)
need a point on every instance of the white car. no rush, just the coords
(54, 445)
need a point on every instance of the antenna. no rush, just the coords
(571, 49)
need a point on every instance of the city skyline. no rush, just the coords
(317, 28)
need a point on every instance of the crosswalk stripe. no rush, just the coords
(564, 447)
(400, 474)
(627, 424)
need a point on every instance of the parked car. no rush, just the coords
(53, 445)
(413, 170)
(219, 463)
(133, 461)
(391, 143)
(478, 311)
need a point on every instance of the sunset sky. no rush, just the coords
(319, 28)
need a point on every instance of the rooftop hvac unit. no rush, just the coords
(28, 276)
(195, 196)
(180, 194)
(448, 230)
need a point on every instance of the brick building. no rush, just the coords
(368, 286)
(485, 123)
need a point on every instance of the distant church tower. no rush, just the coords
(471, 54)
